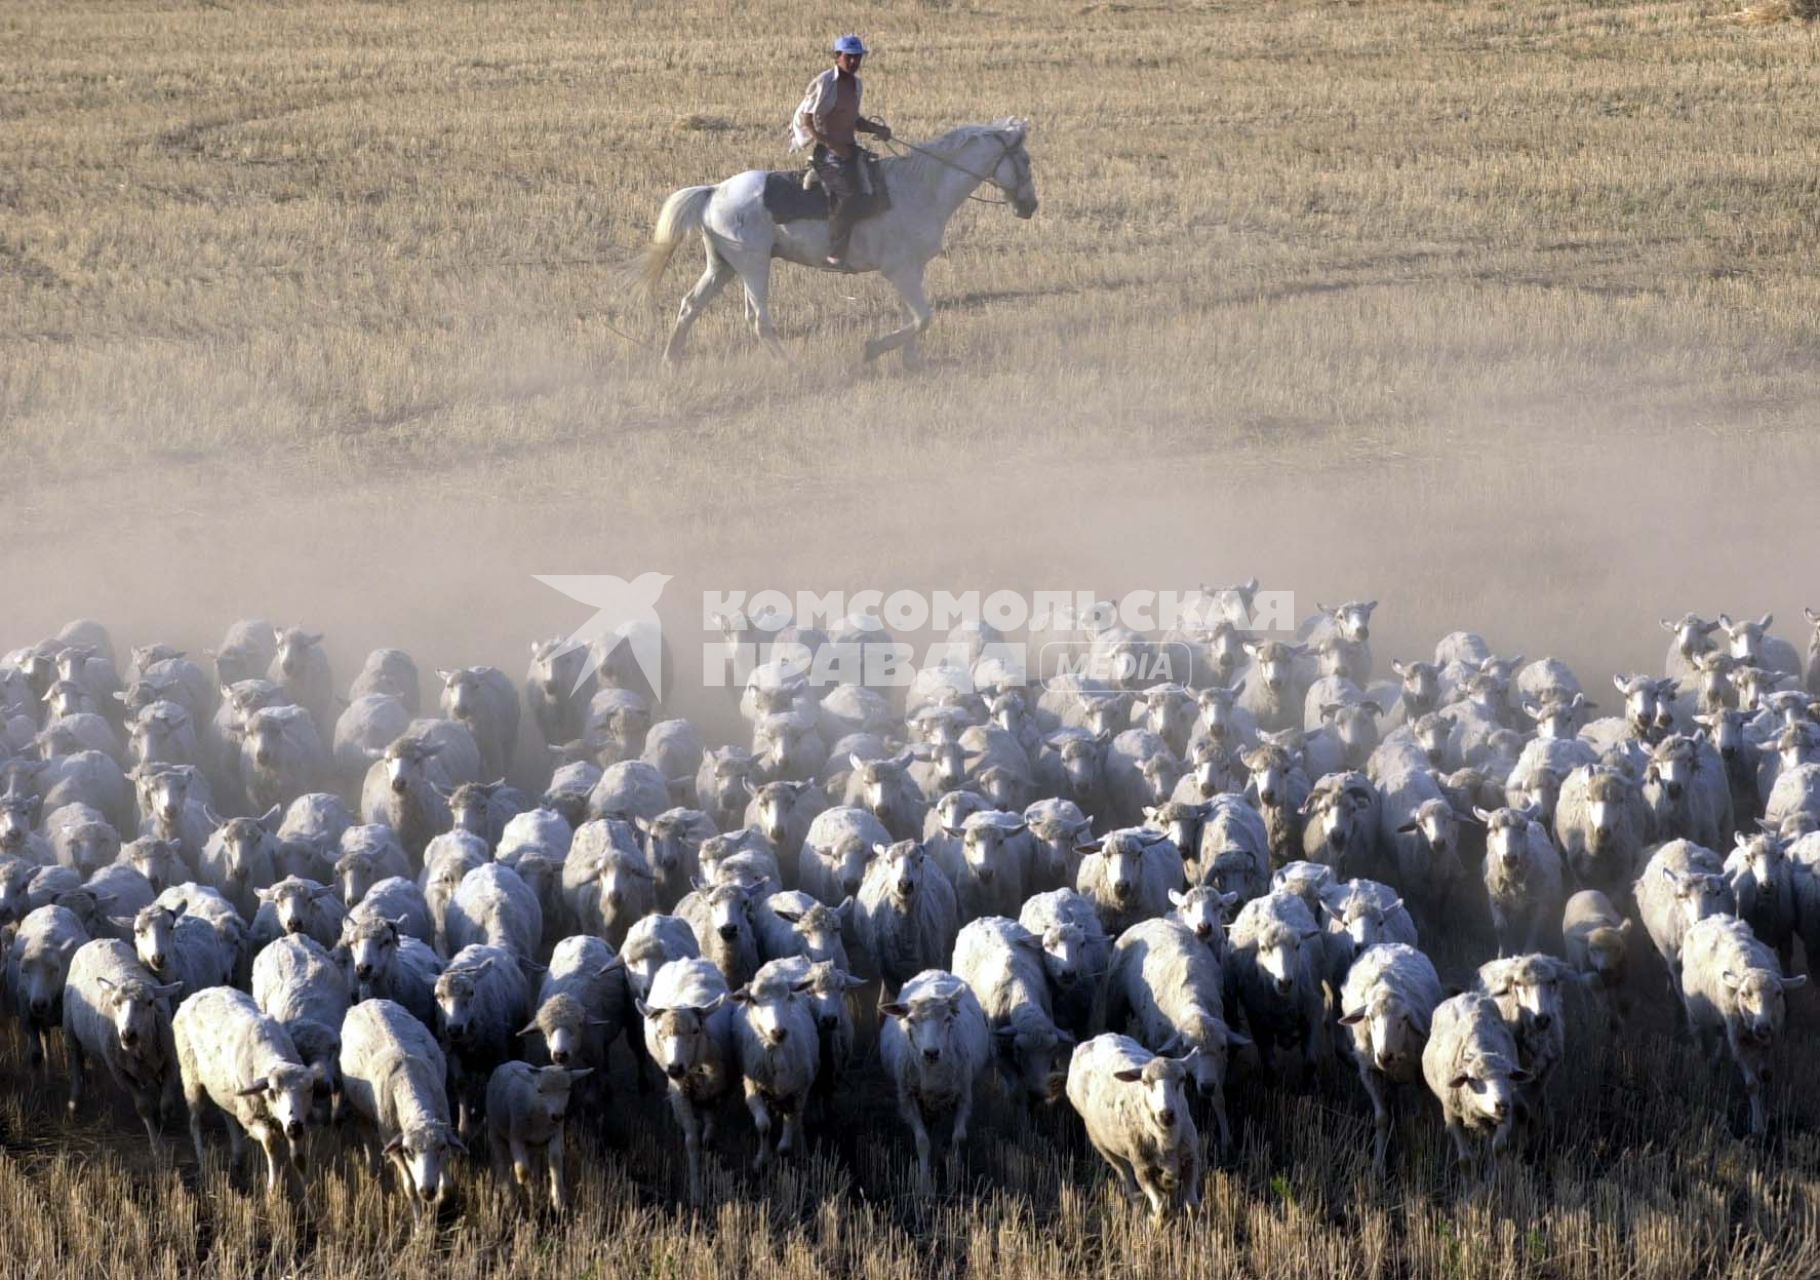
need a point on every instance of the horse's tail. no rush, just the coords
(682, 213)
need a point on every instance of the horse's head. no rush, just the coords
(1012, 172)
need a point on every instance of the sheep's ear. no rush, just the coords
(529, 1029)
(1459, 1081)
(1352, 1019)
(258, 1086)
(393, 1143)
(1130, 1075)
(1789, 984)
(645, 1010)
(745, 781)
(896, 1009)
(1177, 897)
(1731, 979)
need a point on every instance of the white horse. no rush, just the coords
(926, 188)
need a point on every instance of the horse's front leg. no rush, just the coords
(908, 281)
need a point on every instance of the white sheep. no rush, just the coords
(494, 907)
(1167, 991)
(297, 905)
(485, 700)
(1523, 876)
(779, 1054)
(1137, 1117)
(1470, 1064)
(1596, 944)
(1731, 983)
(243, 1062)
(526, 1108)
(1077, 956)
(38, 966)
(1128, 877)
(1528, 992)
(583, 1004)
(906, 917)
(117, 1013)
(606, 880)
(1681, 883)
(1277, 958)
(394, 1078)
(389, 965)
(935, 1044)
(1002, 961)
(688, 1026)
(481, 1002)
(281, 757)
(836, 851)
(1387, 1003)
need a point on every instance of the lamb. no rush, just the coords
(494, 908)
(1077, 956)
(723, 920)
(836, 852)
(1680, 884)
(1522, 875)
(606, 880)
(1166, 987)
(1763, 884)
(300, 667)
(1596, 943)
(281, 757)
(1470, 1064)
(1277, 957)
(1128, 877)
(1603, 823)
(525, 1109)
(37, 968)
(394, 1078)
(1527, 990)
(393, 966)
(298, 906)
(1002, 962)
(117, 1013)
(298, 983)
(775, 1042)
(906, 918)
(935, 1044)
(583, 1004)
(240, 858)
(1137, 1118)
(483, 699)
(481, 1002)
(1387, 1003)
(1731, 983)
(369, 854)
(688, 1026)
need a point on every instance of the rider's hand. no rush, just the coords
(884, 132)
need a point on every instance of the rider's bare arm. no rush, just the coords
(877, 127)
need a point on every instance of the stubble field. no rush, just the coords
(1507, 314)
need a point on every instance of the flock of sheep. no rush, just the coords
(219, 880)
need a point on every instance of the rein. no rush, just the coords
(1004, 150)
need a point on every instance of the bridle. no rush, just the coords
(1005, 149)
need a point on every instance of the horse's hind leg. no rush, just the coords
(712, 281)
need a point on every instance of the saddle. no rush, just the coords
(793, 195)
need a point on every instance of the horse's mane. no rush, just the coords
(912, 164)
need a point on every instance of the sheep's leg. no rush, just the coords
(268, 1138)
(36, 1033)
(1128, 1183)
(1753, 1072)
(1375, 1088)
(78, 1072)
(196, 1100)
(553, 1159)
(521, 1166)
(1153, 1192)
(761, 1121)
(912, 1115)
(692, 1138)
(792, 1128)
(1462, 1146)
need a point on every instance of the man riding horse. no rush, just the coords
(829, 117)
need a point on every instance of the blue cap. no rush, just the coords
(850, 44)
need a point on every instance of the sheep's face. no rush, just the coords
(1700, 895)
(1385, 1036)
(1225, 650)
(555, 669)
(1332, 814)
(1275, 663)
(15, 877)
(1009, 712)
(730, 913)
(289, 1092)
(1121, 869)
(1356, 725)
(371, 948)
(1763, 855)
(1160, 774)
(1528, 991)
(928, 1024)
(827, 994)
(405, 761)
(1690, 635)
(17, 812)
(774, 803)
(133, 1009)
(356, 872)
(1439, 828)
(1081, 764)
(1215, 769)
(1485, 1093)
(1672, 767)
(1204, 910)
(1001, 788)
(1744, 638)
(158, 862)
(461, 694)
(1607, 953)
(1270, 769)
(154, 938)
(457, 993)
(1760, 1003)
(1217, 710)
(423, 1153)
(1161, 1079)
(1354, 620)
(621, 882)
(468, 808)
(242, 841)
(297, 649)
(1507, 838)
(561, 1021)
(906, 862)
(1421, 684)
(984, 846)
(1432, 735)
(1169, 713)
(1180, 822)
(1362, 917)
(67, 698)
(1064, 956)
(678, 1038)
(41, 973)
(91, 846)
(1037, 1059)
(1279, 957)
(164, 792)
(819, 929)
(770, 1009)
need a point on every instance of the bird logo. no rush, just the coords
(621, 608)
